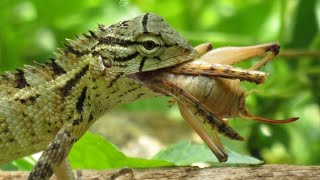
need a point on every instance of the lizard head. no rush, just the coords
(145, 43)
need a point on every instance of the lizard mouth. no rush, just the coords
(143, 77)
(147, 78)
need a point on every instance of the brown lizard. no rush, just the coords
(48, 107)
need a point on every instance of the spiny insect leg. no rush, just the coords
(233, 55)
(219, 70)
(215, 62)
(213, 141)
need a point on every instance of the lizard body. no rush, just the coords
(50, 106)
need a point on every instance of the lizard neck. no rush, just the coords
(107, 92)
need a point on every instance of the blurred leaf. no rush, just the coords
(24, 164)
(94, 152)
(305, 17)
(187, 153)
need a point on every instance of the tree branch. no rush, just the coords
(264, 172)
(299, 53)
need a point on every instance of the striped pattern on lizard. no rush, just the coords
(50, 106)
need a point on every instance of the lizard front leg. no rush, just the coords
(53, 156)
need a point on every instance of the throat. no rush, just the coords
(109, 93)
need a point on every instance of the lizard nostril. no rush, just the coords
(186, 51)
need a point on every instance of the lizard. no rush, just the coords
(48, 107)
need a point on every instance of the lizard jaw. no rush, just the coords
(142, 77)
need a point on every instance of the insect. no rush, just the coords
(208, 90)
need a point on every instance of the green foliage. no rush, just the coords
(32, 29)
(187, 153)
(24, 164)
(94, 152)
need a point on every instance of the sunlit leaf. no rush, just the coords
(94, 152)
(188, 153)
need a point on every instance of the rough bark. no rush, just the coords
(256, 172)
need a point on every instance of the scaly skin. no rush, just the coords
(50, 106)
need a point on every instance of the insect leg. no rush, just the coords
(203, 48)
(274, 51)
(219, 70)
(244, 113)
(195, 106)
(213, 142)
(233, 55)
(215, 62)
(262, 62)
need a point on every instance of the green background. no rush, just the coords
(32, 30)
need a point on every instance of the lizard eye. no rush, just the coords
(149, 45)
